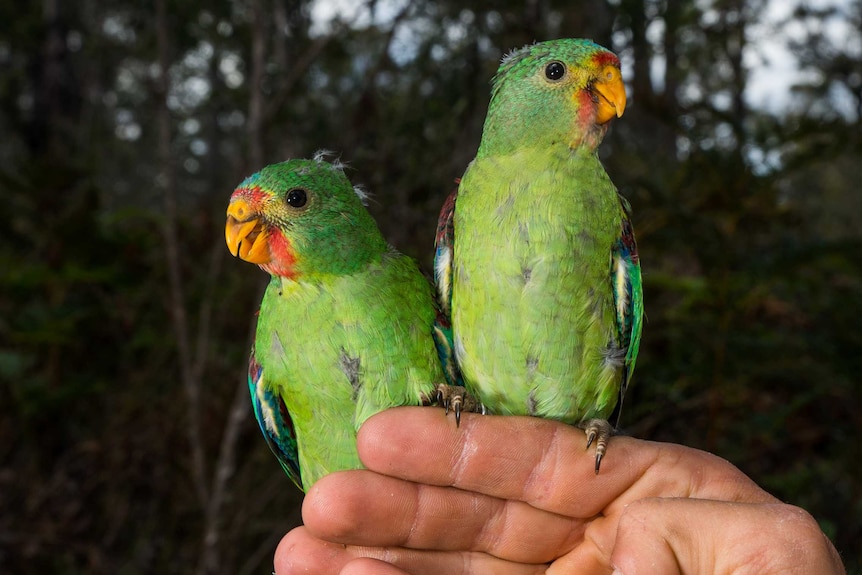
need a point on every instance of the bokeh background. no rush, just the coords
(126, 440)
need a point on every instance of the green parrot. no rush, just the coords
(345, 325)
(536, 263)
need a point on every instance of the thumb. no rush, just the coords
(699, 537)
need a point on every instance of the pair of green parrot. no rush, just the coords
(538, 309)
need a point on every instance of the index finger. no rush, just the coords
(542, 463)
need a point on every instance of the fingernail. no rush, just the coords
(616, 571)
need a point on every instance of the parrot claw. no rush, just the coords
(598, 431)
(456, 398)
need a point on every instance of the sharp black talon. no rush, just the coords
(458, 415)
(590, 438)
(598, 462)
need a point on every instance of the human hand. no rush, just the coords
(519, 495)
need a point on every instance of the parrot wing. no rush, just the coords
(274, 421)
(443, 245)
(628, 296)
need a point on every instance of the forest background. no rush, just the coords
(126, 439)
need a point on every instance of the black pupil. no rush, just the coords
(555, 70)
(296, 198)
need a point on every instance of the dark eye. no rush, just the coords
(296, 198)
(555, 70)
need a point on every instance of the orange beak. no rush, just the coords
(612, 94)
(245, 234)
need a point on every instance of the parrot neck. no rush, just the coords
(288, 285)
(514, 123)
(339, 257)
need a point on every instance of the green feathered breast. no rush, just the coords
(342, 348)
(533, 308)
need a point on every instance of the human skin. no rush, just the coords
(519, 495)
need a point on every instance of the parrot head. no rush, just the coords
(557, 91)
(302, 218)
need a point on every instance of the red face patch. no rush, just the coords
(283, 255)
(586, 110)
(254, 195)
(603, 59)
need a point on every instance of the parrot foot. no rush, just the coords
(456, 398)
(598, 431)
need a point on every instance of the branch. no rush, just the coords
(179, 316)
(225, 467)
(292, 76)
(255, 99)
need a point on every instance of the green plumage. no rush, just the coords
(541, 293)
(345, 324)
(535, 255)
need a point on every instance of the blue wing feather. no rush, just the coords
(274, 421)
(442, 332)
(628, 297)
